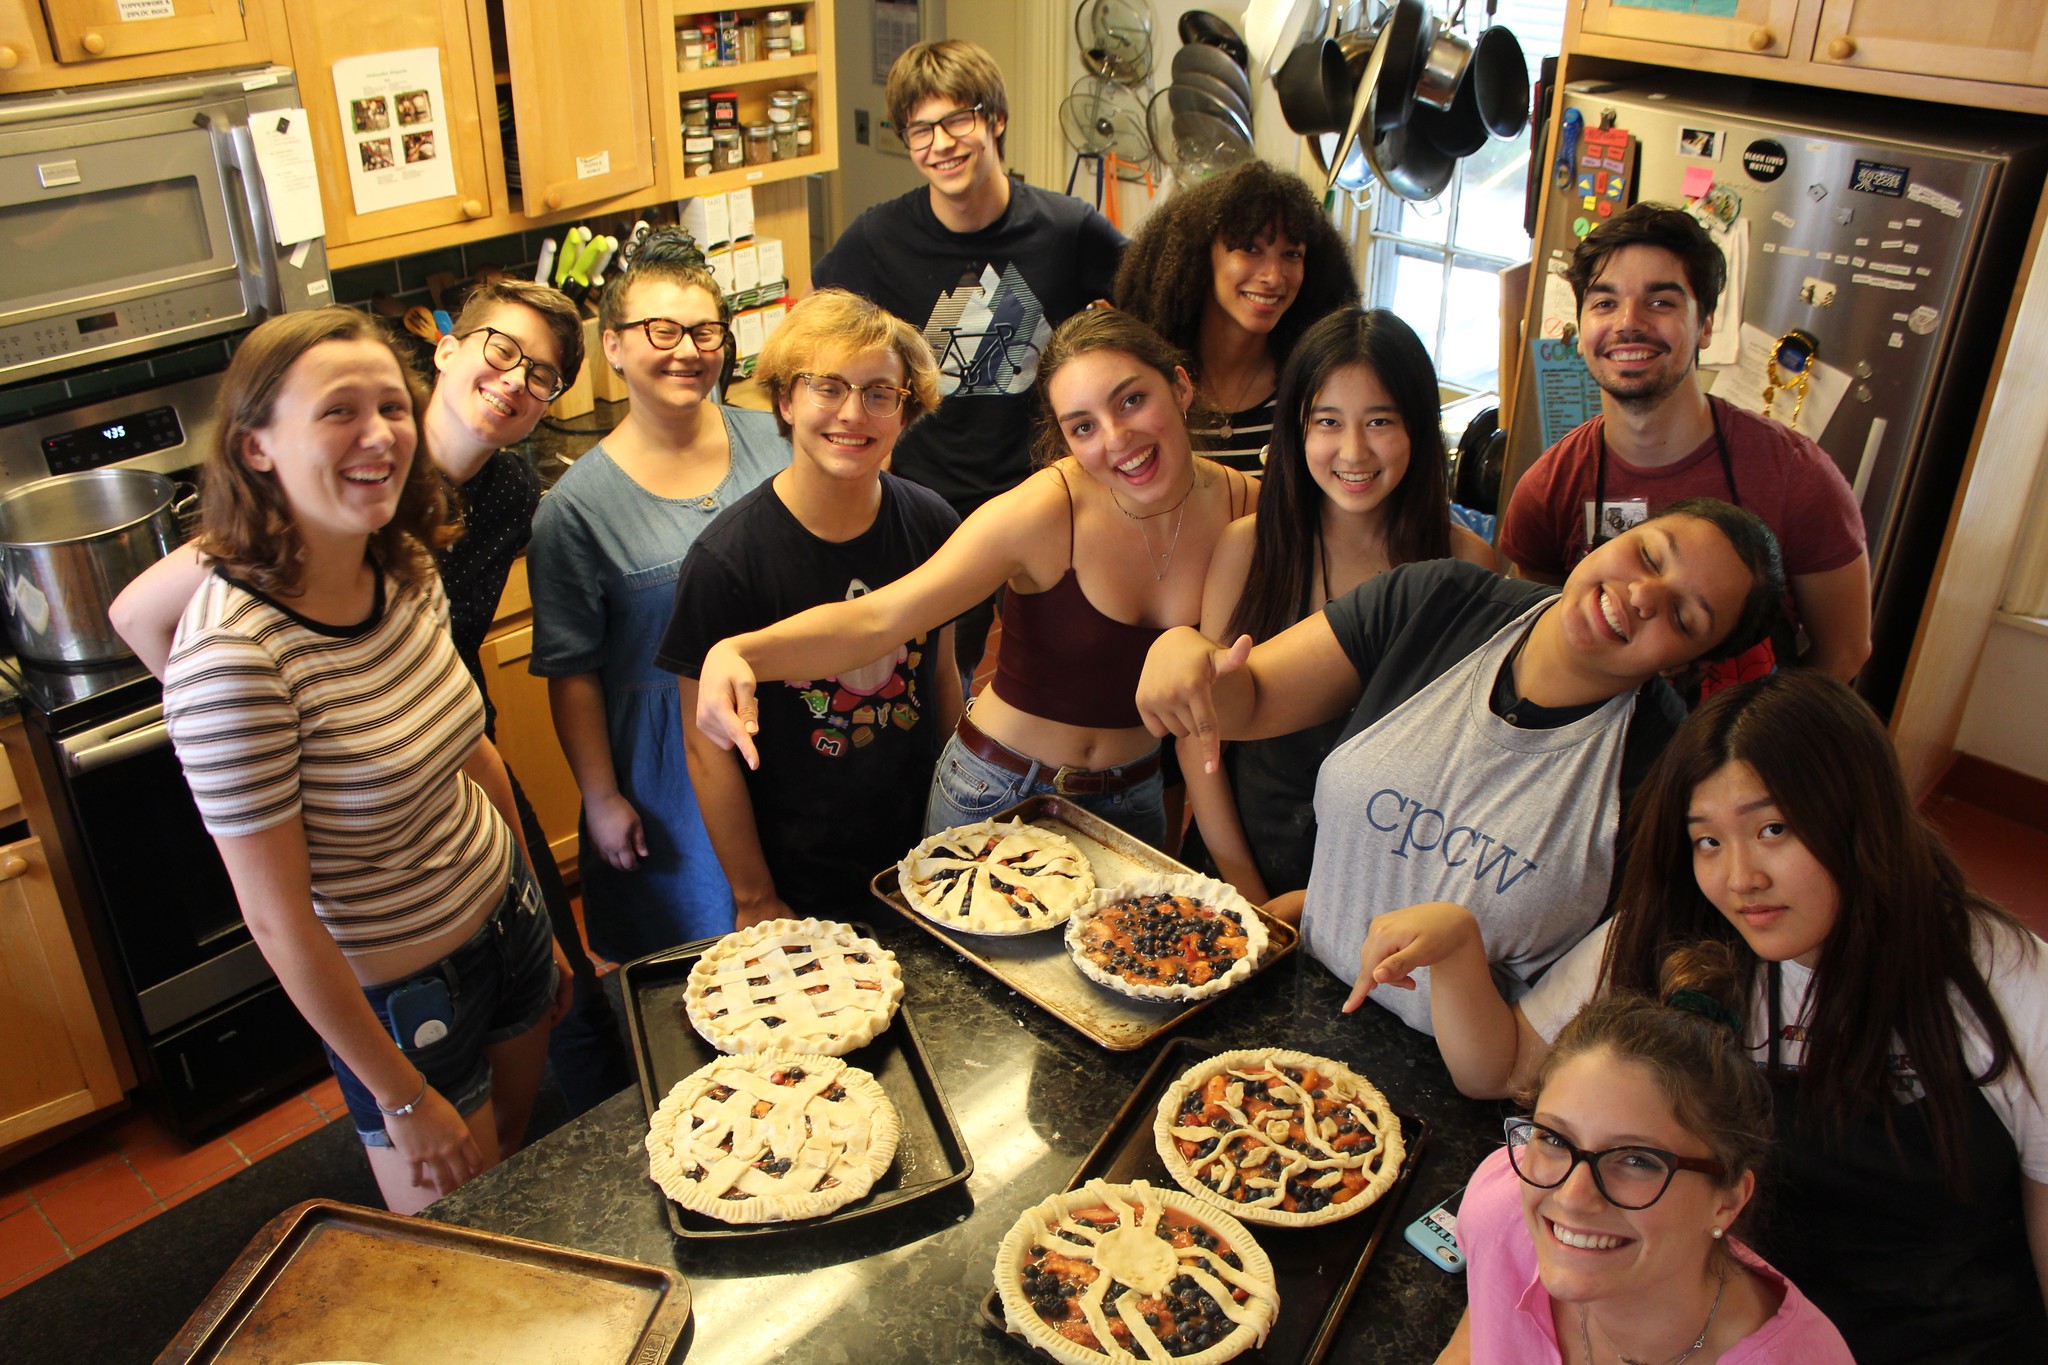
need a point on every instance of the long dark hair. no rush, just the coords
(1904, 923)
(1289, 533)
(1165, 277)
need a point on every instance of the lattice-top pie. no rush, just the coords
(1168, 938)
(803, 985)
(772, 1136)
(1132, 1273)
(1279, 1137)
(996, 878)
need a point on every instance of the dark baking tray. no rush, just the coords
(1316, 1269)
(1038, 966)
(930, 1156)
(330, 1281)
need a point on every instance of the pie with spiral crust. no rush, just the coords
(1179, 937)
(1279, 1137)
(1129, 1273)
(772, 1136)
(996, 878)
(804, 985)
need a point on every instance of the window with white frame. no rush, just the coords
(1438, 264)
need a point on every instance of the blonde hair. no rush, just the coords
(951, 69)
(836, 322)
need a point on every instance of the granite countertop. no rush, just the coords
(1031, 1096)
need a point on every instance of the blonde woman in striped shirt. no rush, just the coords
(334, 744)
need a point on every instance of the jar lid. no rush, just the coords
(725, 137)
(759, 130)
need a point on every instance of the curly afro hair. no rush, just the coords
(1166, 280)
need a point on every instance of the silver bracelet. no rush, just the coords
(402, 1110)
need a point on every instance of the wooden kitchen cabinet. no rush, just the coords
(526, 728)
(88, 42)
(56, 1065)
(579, 81)
(2007, 43)
(1762, 27)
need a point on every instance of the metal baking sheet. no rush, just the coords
(1316, 1269)
(1038, 967)
(930, 1156)
(331, 1281)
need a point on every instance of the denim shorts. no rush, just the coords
(500, 984)
(967, 787)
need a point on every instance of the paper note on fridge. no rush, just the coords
(1743, 385)
(291, 182)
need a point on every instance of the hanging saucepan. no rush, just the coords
(1406, 36)
(1492, 101)
(1210, 30)
(68, 545)
(1443, 67)
(1314, 88)
(1409, 164)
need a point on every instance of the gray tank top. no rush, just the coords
(1442, 800)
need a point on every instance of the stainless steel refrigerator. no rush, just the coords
(1889, 233)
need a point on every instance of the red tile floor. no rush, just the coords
(60, 1204)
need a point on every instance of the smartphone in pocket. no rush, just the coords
(421, 1012)
(1435, 1235)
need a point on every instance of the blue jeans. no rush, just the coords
(967, 787)
(500, 984)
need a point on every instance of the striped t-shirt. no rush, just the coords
(360, 731)
(1244, 449)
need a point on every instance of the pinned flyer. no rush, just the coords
(394, 126)
(291, 181)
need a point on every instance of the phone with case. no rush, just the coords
(421, 1012)
(1435, 1235)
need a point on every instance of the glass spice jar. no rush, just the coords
(689, 47)
(777, 50)
(785, 140)
(750, 40)
(728, 37)
(726, 152)
(760, 144)
(777, 21)
(697, 115)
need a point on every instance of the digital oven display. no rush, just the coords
(122, 438)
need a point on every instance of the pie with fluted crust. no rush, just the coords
(772, 1136)
(798, 985)
(1179, 937)
(1279, 1137)
(1130, 1273)
(995, 877)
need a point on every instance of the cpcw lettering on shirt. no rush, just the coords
(1427, 830)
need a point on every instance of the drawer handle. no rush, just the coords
(1762, 40)
(12, 866)
(1842, 48)
(93, 42)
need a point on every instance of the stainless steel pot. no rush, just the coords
(68, 545)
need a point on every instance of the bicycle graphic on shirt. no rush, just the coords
(969, 363)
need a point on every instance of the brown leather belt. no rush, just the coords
(1065, 781)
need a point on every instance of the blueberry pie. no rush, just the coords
(1279, 1137)
(1168, 938)
(996, 878)
(772, 1136)
(1132, 1273)
(799, 985)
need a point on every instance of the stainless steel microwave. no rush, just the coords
(134, 217)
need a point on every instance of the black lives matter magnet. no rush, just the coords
(1764, 159)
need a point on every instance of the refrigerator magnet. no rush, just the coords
(1702, 143)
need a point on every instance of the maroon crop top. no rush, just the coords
(1062, 659)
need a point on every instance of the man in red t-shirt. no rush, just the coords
(1648, 281)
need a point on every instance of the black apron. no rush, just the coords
(1868, 1231)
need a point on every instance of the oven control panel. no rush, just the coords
(29, 347)
(109, 442)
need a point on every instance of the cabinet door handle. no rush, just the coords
(1762, 40)
(9, 59)
(1842, 48)
(472, 208)
(93, 42)
(12, 866)
(554, 199)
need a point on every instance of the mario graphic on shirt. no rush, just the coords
(857, 707)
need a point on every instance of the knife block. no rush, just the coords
(578, 398)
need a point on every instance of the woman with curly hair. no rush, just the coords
(1233, 271)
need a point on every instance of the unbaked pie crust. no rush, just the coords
(1133, 1255)
(799, 1146)
(1085, 930)
(1265, 1155)
(995, 877)
(804, 985)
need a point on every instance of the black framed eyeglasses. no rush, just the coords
(501, 352)
(665, 334)
(958, 124)
(828, 391)
(1627, 1177)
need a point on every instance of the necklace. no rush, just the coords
(1165, 559)
(1258, 373)
(1586, 1334)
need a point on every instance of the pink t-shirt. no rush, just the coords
(1510, 1309)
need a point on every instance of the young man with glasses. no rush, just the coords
(985, 266)
(845, 761)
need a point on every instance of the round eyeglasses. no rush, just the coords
(665, 334)
(1627, 1177)
(958, 124)
(828, 391)
(501, 352)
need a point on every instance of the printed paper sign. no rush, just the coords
(1565, 394)
(291, 181)
(394, 124)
